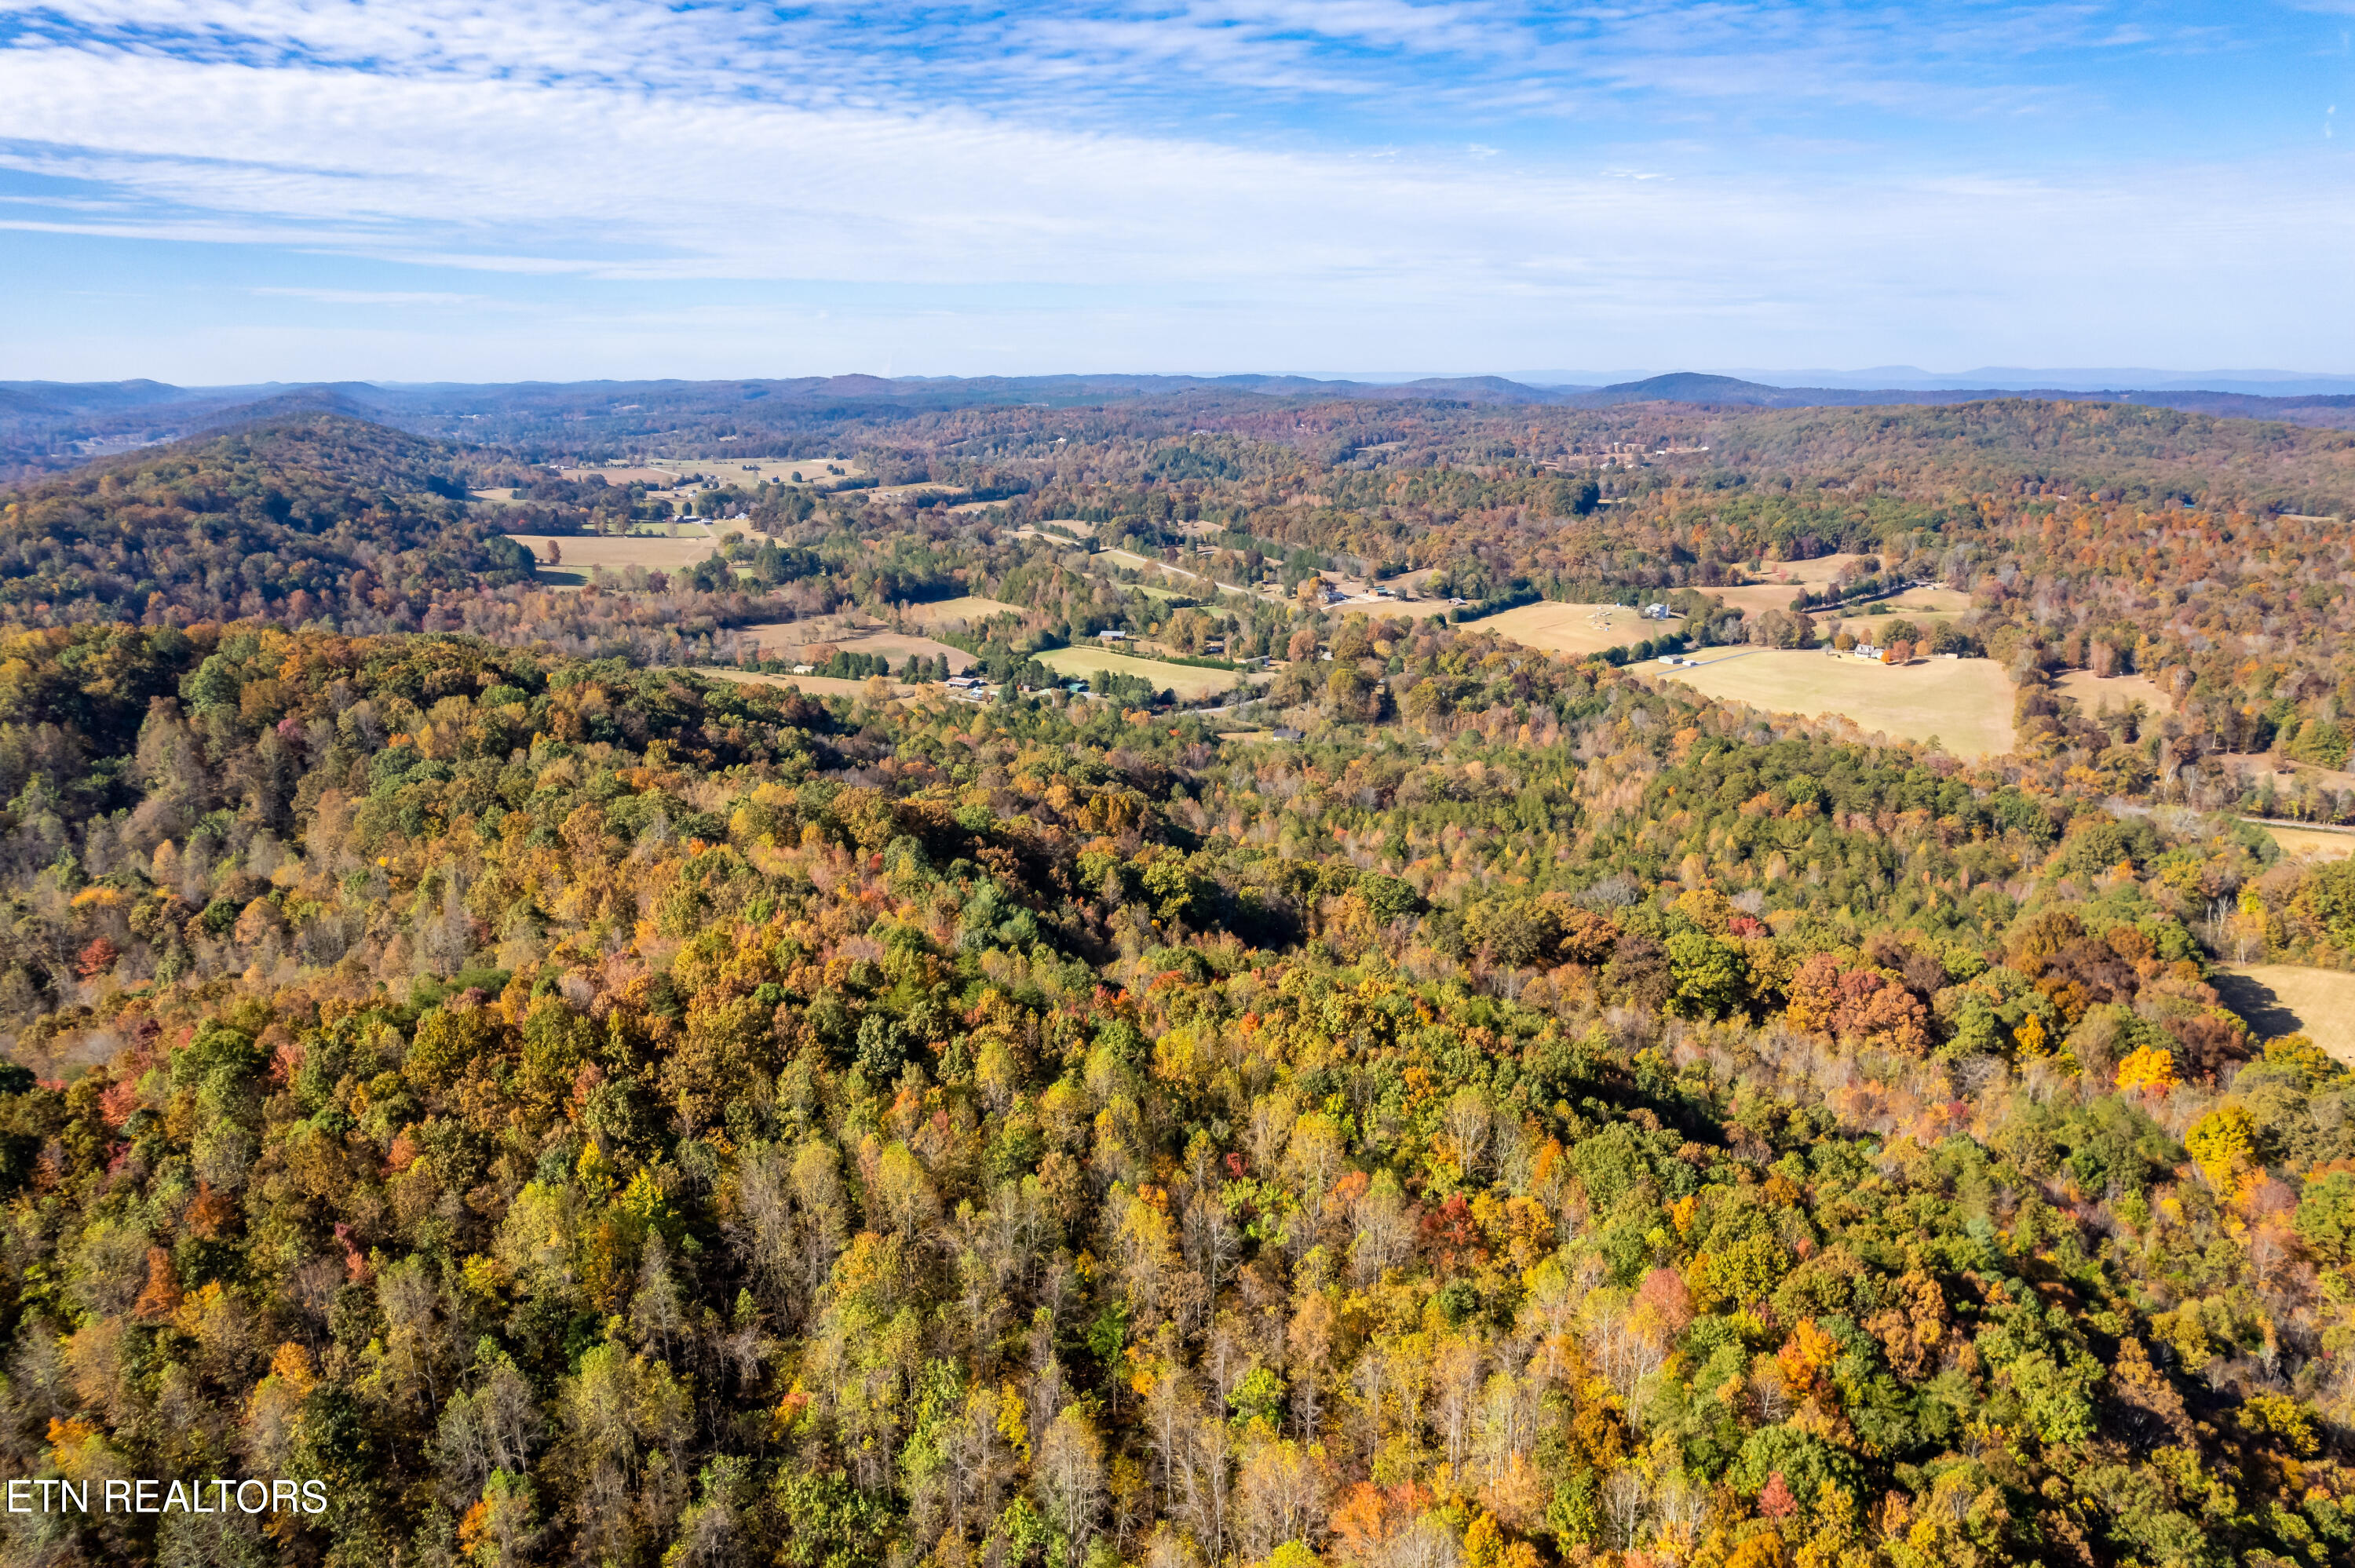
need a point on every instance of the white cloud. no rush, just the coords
(1056, 148)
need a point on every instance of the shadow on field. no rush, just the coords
(2269, 1016)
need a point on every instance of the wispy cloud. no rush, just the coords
(387, 297)
(1769, 164)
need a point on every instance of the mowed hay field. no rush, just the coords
(2283, 999)
(1575, 628)
(1185, 680)
(1964, 703)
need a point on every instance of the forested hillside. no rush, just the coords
(575, 1111)
(578, 1109)
(292, 519)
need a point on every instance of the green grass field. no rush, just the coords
(1185, 680)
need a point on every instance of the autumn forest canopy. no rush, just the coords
(530, 1001)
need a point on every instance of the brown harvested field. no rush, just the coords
(1186, 681)
(1575, 628)
(2310, 843)
(2283, 999)
(2095, 693)
(972, 609)
(794, 638)
(1965, 703)
(651, 552)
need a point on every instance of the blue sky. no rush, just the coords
(233, 190)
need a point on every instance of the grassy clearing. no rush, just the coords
(2284, 771)
(970, 608)
(2283, 999)
(1185, 680)
(1965, 703)
(1576, 628)
(2093, 694)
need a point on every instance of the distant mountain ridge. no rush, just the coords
(46, 426)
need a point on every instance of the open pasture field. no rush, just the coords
(741, 471)
(1964, 703)
(651, 551)
(1187, 584)
(2094, 693)
(1576, 628)
(1926, 604)
(970, 608)
(794, 638)
(1186, 681)
(2283, 999)
(621, 474)
(2311, 843)
(1784, 581)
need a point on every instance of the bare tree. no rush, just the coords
(1068, 1474)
